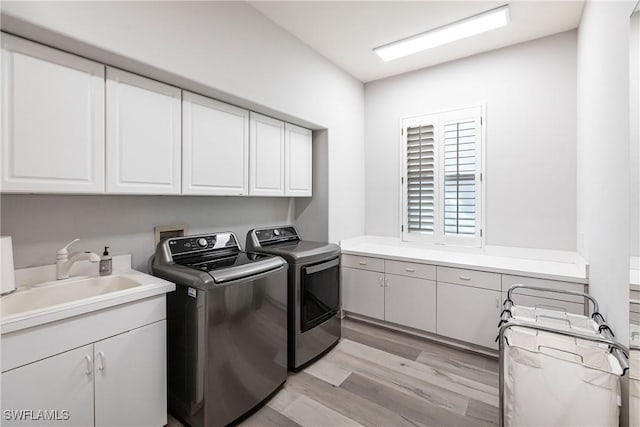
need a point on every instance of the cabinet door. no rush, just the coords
(298, 161)
(61, 385)
(468, 314)
(266, 154)
(52, 120)
(410, 302)
(363, 292)
(215, 147)
(131, 378)
(143, 135)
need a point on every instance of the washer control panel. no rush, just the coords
(205, 242)
(275, 235)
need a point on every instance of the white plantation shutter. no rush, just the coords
(460, 178)
(442, 159)
(421, 178)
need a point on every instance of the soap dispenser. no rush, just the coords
(105, 262)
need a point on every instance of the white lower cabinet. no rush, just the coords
(62, 385)
(468, 314)
(457, 303)
(410, 302)
(130, 378)
(106, 368)
(398, 298)
(363, 292)
(117, 381)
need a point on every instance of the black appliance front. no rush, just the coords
(320, 293)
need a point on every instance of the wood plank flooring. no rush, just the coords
(379, 377)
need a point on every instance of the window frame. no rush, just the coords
(439, 119)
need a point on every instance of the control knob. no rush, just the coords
(202, 242)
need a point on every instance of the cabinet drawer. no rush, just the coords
(411, 269)
(363, 262)
(475, 278)
(509, 280)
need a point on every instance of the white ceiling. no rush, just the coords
(345, 32)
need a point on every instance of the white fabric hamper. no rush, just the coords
(551, 380)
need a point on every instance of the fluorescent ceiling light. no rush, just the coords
(467, 27)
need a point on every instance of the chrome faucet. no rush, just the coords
(64, 262)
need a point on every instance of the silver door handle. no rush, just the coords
(87, 359)
(410, 270)
(324, 266)
(363, 263)
(465, 278)
(101, 365)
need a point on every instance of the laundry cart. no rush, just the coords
(558, 368)
(555, 316)
(634, 373)
(634, 386)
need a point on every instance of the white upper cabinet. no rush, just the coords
(64, 130)
(298, 161)
(215, 147)
(143, 135)
(52, 120)
(266, 156)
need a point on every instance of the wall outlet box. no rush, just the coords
(167, 231)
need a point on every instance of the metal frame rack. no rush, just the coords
(593, 329)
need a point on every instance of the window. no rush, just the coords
(442, 171)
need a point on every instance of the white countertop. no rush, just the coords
(30, 278)
(554, 265)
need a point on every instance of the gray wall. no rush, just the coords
(634, 115)
(227, 50)
(312, 214)
(530, 95)
(603, 157)
(41, 224)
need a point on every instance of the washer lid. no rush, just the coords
(237, 266)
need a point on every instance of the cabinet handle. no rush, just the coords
(386, 282)
(381, 280)
(410, 270)
(497, 302)
(101, 365)
(465, 278)
(363, 263)
(87, 359)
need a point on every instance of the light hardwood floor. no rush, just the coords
(379, 377)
